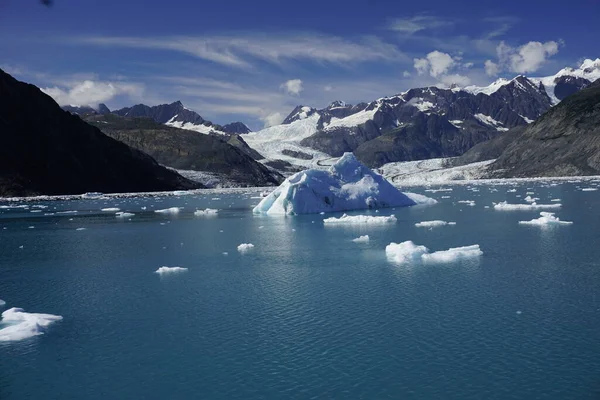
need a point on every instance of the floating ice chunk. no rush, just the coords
(2, 303)
(81, 229)
(17, 324)
(209, 212)
(511, 190)
(547, 218)
(346, 185)
(439, 190)
(589, 189)
(420, 199)
(433, 224)
(360, 219)
(110, 209)
(361, 239)
(172, 210)
(530, 199)
(405, 252)
(467, 202)
(245, 247)
(67, 212)
(122, 214)
(504, 206)
(170, 270)
(408, 253)
(453, 254)
(555, 200)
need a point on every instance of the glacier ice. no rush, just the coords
(172, 210)
(209, 212)
(346, 185)
(16, 324)
(170, 270)
(245, 247)
(110, 209)
(408, 253)
(123, 214)
(359, 219)
(361, 239)
(547, 218)
(433, 224)
(505, 206)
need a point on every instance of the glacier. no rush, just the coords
(347, 185)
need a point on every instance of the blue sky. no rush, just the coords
(254, 61)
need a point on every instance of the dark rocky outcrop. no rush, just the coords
(186, 150)
(238, 128)
(46, 150)
(565, 141)
(490, 149)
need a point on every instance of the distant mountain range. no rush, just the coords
(174, 114)
(420, 123)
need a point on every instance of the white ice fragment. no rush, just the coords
(2, 303)
(172, 210)
(433, 224)
(530, 199)
(170, 270)
(547, 218)
(110, 209)
(122, 214)
(504, 206)
(18, 325)
(361, 239)
(405, 252)
(359, 219)
(453, 254)
(245, 247)
(467, 202)
(589, 189)
(209, 212)
(81, 229)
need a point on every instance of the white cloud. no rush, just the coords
(436, 63)
(91, 93)
(491, 68)
(239, 51)
(406, 74)
(468, 65)
(328, 88)
(273, 119)
(293, 86)
(526, 58)
(418, 23)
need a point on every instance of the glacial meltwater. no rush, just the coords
(227, 304)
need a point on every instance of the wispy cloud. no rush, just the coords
(243, 50)
(418, 23)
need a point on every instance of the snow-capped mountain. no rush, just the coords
(178, 116)
(420, 123)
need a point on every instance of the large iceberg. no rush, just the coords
(346, 185)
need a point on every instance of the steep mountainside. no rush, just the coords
(423, 122)
(46, 150)
(564, 141)
(187, 150)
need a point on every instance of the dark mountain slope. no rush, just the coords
(564, 141)
(184, 149)
(46, 150)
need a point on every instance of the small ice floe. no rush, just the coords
(361, 239)
(445, 197)
(360, 219)
(467, 202)
(555, 200)
(433, 224)
(439, 190)
(170, 270)
(245, 247)
(110, 209)
(225, 253)
(31, 227)
(18, 325)
(2, 303)
(172, 210)
(511, 190)
(67, 212)
(408, 253)
(209, 212)
(81, 229)
(547, 218)
(530, 199)
(123, 214)
(589, 189)
(504, 206)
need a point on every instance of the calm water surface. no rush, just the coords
(307, 314)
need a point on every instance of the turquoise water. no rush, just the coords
(307, 313)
